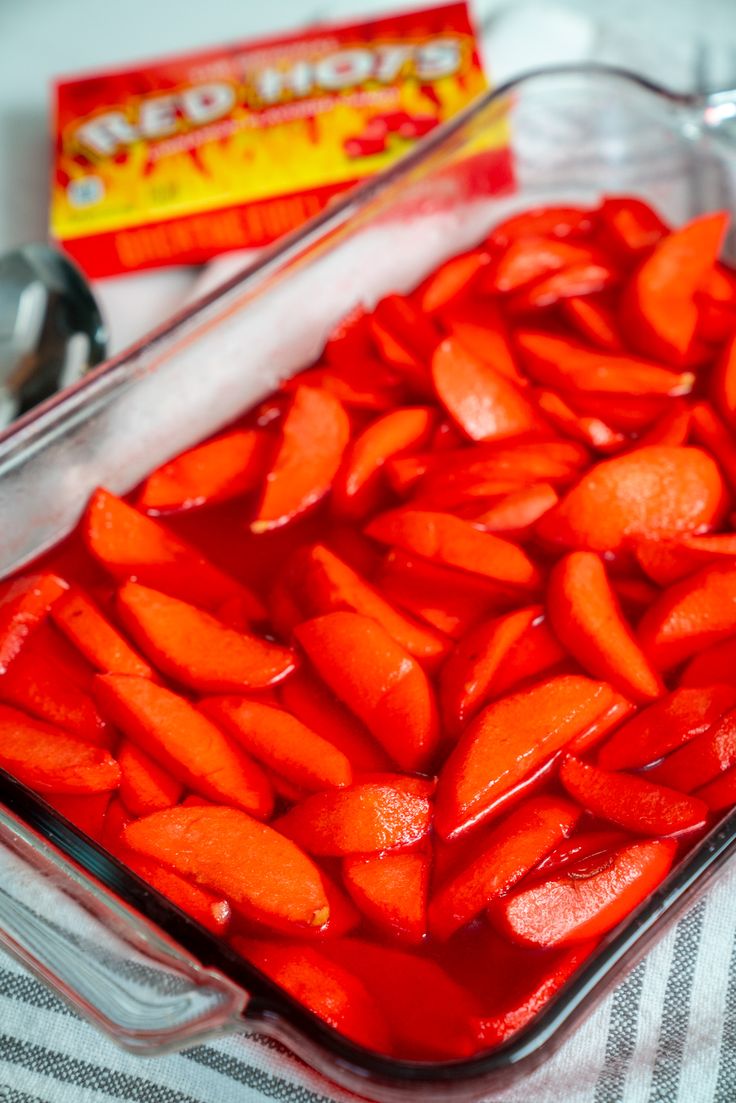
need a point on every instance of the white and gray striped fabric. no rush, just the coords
(667, 1034)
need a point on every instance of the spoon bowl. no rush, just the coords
(51, 327)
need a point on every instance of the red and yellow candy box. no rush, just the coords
(180, 159)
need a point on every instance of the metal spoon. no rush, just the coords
(51, 328)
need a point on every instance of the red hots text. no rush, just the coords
(161, 115)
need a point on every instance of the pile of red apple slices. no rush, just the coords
(415, 682)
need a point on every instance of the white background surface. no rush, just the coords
(40, 39)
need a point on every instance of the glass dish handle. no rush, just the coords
(118, 970)
(720, 109)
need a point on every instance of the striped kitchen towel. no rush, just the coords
(667, 1034)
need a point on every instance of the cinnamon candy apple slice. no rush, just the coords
(584, 278)
(357, 487)
(378, 680)
(512, 461)
(391, 890)
(197, 649)
(225, 850)
(51, 760)
(210, 909)
(480, 327)
(550, 221)
(184, 742)
(350, 340)
(398, 356)
(364, 385)
(362, 819)
(713, 665)
(716, 437)
(408, 325)
(639, 805)
(629, 226)
(651, 493)
(509, 851)
(530, 258)
(690, 615)
(460, 495)
(361, 384)
(667, 561)
(590, 430)
(619, 709)
(720, 793)
(487, 661)
(510, 739)
(219, 469)
(310, 700)
(583, 844)
(579, 903)
(418, 785)
(452, 280)
(343, 918)
(723, 380)
(314, 435)
(570, 366)
(329, 585)
(482, 402)
(594, 321)
(38, 681)
(76, 615)
(449, 600)
(716, 299)
(672, 427)
(660, 311)
(145, 787)
(453, 542)
(634, 594)
(666, 725)
(586, 617)
(129, 544)
(515, 514)
(701, 759)
(24, 603)
(281, 742)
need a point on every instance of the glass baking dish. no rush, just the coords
(118, 951)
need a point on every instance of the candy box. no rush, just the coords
(176, 160)
(189, 380)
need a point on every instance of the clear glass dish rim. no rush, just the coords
(268, 1003)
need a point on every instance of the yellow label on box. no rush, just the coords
(185, 158)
